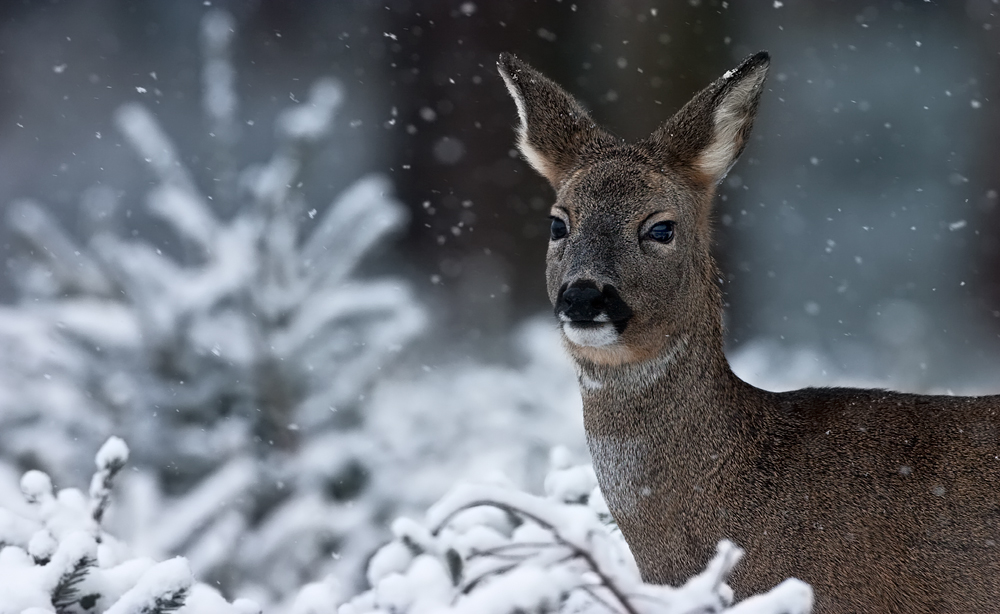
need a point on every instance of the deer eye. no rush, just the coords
(662, 232)
(558, 229)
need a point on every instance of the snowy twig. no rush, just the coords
(577, 550)
(110, 459)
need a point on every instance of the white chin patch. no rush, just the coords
(591, 336)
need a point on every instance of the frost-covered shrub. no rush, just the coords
(55, 556)
(484, 549)
(493, 549)
(234, 366)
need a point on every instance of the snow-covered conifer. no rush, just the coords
(228, 366)
(55, 557)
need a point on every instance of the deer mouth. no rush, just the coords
(591, 334)
(592, 316)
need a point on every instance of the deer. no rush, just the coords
(882, 501)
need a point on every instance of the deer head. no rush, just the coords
(629, 264)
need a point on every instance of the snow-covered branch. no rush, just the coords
(494, 549)
(56, 558)
(486, 549)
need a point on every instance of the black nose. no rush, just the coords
(581, 302)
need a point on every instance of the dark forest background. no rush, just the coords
(862, 220)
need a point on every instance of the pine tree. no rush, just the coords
(235, 368)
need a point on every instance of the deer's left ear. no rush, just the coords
(709, 133)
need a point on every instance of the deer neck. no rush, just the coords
(669, 421)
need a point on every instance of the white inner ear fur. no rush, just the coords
(730, 116)
(530, 154)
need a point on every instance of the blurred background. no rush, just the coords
(863, 213)
(858, 235)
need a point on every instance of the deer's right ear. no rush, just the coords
(556, 133)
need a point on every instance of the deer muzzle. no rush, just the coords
(592, 316)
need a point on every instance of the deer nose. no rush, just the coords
(581, 302)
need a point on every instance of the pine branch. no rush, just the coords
(67, 592)
(169, 602)
(163, 588)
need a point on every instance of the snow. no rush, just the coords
(63, 260)
(166, 579)
(790, 597)
(394, 557)
(311, 120)
(318, 598)
(42, 545)
(213, 494)
(15, 529)
(573, 522)
(144, 134)
(23, 585)
(186, 212)
(527, 589)
(245, 606)
(449, 150)
(37, 487)
(571, 484)
(114, 453)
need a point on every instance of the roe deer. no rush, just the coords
(884, 502)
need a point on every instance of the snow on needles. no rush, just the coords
(113, 454)
(56, 557)
(485, 549)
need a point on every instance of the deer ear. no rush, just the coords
(556, 133)
(709, 133)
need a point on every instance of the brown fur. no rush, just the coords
(884, 502)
